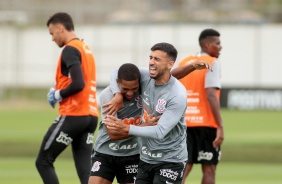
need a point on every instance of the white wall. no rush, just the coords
(250, 55)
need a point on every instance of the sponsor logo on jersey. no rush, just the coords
(63, 138)
(204, 155)
(131, 169)
(115, 147)
(96, 166)
(90, 138)
(132, 120)
(170, 174)
(145, 151)
(160, 107)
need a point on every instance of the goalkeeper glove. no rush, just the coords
(54, 96)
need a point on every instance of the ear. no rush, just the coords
(60, 27)
(170, 64)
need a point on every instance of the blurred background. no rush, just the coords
(124, 31)
(120, 31)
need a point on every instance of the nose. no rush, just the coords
(130, 93)
(220, 47)
(152, 61)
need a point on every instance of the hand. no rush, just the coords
(199, 65)
(115, 124)
(54, 96)
(219, 137)
(114, 105)
(151, 120)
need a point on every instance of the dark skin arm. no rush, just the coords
(215, 108)
(115, 135)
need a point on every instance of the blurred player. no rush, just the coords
(203, 119)
(75, 91)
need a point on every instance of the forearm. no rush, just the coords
(77, 83)
(118, 136)
(182, 71)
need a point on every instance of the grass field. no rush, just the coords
(251, 152)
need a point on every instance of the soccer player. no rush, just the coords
(203, 119)
(119, 156)
(75, 91)
(163, 151)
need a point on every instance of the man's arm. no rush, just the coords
(172, 115)
(116, 103)
(118, 130)
(77, 83)
(191, 66)
(116, 135)
(71, 61)
(104, 97)
(215, 108)
(182, 71)
(212, 85)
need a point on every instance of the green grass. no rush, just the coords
(252, 147)
(22, 170)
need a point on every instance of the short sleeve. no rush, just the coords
(213, 78)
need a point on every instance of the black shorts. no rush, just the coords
(160, 173)
(199, 145)
(124, 168)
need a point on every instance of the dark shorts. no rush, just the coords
(108, 167)
(199, 145)
(65, 130)
(160, 173)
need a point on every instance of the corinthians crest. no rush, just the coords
(160, 107)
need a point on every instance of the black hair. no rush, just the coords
(61, 18)
(128, 72)
(166, 47)
(206, 33)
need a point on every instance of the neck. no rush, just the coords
(163, 80)
(71, 36)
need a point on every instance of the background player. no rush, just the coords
(75, 91)
(203, 119)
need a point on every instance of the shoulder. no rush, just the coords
(106, 91)
(178, 88)
(70, 50)
(106, 95)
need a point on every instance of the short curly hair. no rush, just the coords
(128, 72)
